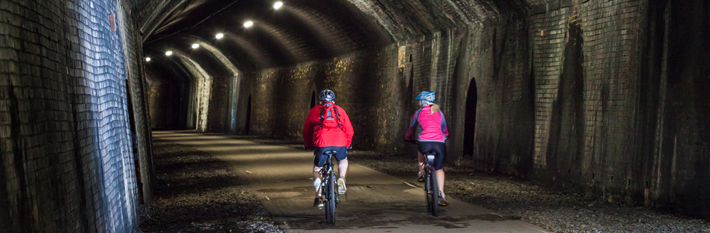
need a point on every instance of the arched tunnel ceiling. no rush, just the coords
(306, 30)
(302, 30)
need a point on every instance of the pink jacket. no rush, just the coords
(432, 127)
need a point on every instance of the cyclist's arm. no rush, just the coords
(308, 131)
(444, 128)
(412, 126)
(347, 128)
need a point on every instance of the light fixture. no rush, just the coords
(147, 59)
(278, 5)
(219, 36)
(248, 24)
(195, 46)
(168, 53)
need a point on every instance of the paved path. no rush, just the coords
(376, 202)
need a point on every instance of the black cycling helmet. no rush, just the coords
(326, 96)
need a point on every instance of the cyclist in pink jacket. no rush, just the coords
(430, 124)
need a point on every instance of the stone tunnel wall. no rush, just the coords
(218, 120)
(68, 162)
(163, 107)
(495, 61)
(586, 91)
(602, 103)
(373, 87)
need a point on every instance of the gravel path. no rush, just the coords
(224, 203)
(554, 210)
(196, 192)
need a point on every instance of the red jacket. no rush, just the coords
(315, 136)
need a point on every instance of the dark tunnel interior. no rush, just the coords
(608, 99)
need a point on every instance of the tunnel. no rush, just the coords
(606, 99)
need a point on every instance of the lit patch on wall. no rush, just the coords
(402, 56)
(204, 88)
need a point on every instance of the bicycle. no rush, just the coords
(431, 186)
(329, 186)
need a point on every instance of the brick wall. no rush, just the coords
(585, 91)
(494, 59)
(370, 86)
(281, 97)
(137, 84)
(68, 164)
(605, 91)
(679, 170)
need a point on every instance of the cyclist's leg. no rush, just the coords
(317, 179)
(318, 162)
(440, 179)
(440, 150)
(421, 159)
(342, 157)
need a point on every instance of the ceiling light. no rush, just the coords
(195, 46)
(278, 5)
(220, 36)
(248, 24)
(168, 53)
(147, 59)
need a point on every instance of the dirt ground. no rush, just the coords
(554, 210)
(196, 192)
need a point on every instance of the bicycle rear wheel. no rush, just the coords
(331, 200)
(325, 192)
(427, 191)
(434, 195)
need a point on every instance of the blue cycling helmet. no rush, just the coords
(427, 97)
(326, 96)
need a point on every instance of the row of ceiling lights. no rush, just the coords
(219, 36)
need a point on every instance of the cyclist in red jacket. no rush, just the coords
(327, 128)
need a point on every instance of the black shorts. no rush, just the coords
(436, 148)
(319, 158)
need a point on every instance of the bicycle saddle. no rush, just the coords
(330, 152)
(430, 158)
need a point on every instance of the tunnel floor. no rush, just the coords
(196, 192)
(277, 175)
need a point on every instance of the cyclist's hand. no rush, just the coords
(350, 147)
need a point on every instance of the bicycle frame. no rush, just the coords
(329, 187)
(431, 186)
(325, 173)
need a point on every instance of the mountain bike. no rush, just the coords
(329, 187)
(431, 186)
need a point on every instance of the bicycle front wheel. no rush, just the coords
(434, 194)
(428, 191)
(326, 194)
(331, 201)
